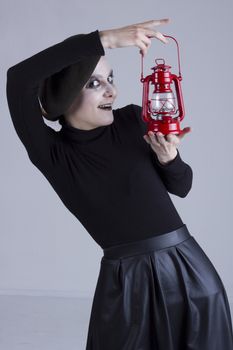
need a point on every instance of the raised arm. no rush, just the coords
(22, 90)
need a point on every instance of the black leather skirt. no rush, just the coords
(161, 293)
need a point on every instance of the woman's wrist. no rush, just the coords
(167, 160)
(106, 39)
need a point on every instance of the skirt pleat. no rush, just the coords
(166, 299)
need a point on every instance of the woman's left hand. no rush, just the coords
(165, 146)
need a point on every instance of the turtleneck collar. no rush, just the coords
(79, 135)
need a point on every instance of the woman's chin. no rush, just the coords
(109, 118)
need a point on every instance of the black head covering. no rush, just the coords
(57, 92)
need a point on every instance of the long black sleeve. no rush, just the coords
(22, 88)
(176, 175)
(107, 177)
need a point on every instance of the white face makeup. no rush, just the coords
(85, 112)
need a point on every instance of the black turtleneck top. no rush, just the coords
(108, 177)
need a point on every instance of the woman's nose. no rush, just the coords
(109, 90)
(108, 93)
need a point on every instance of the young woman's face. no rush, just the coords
(99, 90)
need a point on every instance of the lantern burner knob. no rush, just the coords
(159, 59)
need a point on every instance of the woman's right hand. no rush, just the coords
(133, 35)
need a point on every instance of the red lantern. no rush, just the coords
(163, 111)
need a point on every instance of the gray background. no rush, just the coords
(42, 245)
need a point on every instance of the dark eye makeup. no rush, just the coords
(92, 84)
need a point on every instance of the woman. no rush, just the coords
(156, 288)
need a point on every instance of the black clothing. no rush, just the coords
(108, 177)
(160, 293)
(112, 181)
(58, 91)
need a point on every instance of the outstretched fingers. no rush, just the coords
(149, 30)
(154, 22)
(139, 35)
(152, 33)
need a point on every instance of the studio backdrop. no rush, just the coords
(42, 245)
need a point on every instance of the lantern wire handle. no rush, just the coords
(141, 67)
(178, 53)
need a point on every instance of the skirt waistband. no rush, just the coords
(153, 243)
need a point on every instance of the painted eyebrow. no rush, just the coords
(98, 75)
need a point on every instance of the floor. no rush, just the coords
(44, 323)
